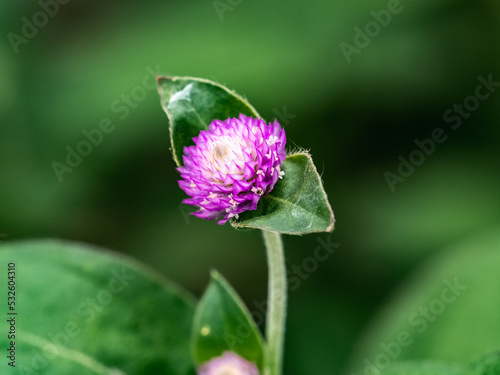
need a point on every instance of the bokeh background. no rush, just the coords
(356, 117)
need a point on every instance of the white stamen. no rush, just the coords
(234, 215)
(257, 191)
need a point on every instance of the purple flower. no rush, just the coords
(231, 166)
(228, 364)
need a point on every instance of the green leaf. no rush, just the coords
(222, 322)
(488, 365)
(192, 103)
(85, 310)
(297, 205)
(448, 309)
(415, 368)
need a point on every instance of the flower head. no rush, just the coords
(231, 166)
(228, 364)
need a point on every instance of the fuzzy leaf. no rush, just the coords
(297, 205)
(192, 103)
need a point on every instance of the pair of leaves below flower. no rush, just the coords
(297, 205)
(223, 323)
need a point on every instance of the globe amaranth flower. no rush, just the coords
(228, 363)
(231, 166)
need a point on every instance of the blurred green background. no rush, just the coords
(356, 117)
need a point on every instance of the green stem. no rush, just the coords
(276, 308)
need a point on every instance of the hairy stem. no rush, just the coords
(276, 308)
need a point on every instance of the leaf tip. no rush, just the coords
(160, 78)
(214, 274)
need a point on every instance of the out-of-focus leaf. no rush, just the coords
(414, 368)
(488, 365)
(448, 311)
(83, 310)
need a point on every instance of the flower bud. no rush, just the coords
(228, 363)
